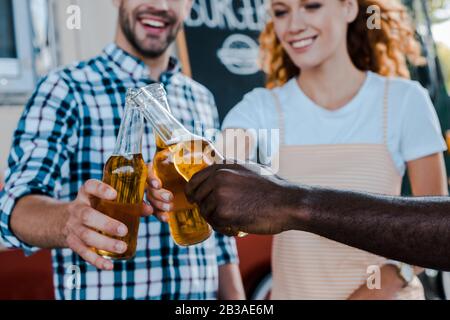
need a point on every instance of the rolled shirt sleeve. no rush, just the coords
(40, 150)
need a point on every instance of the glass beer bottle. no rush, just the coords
(126, 172)
(187, 226)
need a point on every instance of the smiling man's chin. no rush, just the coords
(152, 50)
(147, 44)
(152, 45)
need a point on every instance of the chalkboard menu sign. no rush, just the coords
(221, 47)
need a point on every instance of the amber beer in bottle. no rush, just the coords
(180, 155)
(187, 226)
(126, 172)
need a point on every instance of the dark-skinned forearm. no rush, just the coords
(39, 221)
(412, 230)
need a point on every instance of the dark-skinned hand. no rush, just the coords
(247, 198)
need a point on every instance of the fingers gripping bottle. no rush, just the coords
(187, 226)
(126, 172)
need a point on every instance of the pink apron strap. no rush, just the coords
(280, 117)
(385, 111)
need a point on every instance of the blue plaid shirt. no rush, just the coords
(65, 136)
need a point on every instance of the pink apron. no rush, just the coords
(307, 266)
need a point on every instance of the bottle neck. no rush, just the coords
(157, 91)
(166, 127)
(129, 140)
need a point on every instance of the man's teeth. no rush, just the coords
(302, 43)
(153, 23)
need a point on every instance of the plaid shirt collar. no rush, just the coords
(135, 67)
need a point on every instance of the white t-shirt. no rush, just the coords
(413, 126)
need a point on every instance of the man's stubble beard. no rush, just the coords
(125, 25)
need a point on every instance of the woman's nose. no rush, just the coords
(298, 22)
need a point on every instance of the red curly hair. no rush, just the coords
(384, 51)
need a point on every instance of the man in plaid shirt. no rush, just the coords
(65, 136)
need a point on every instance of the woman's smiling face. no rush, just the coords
(313, 31)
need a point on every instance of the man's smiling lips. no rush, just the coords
(153, 25)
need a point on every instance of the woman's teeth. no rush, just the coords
(152, 23)
(302, 43)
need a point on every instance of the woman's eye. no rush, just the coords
(279, 13)
(313, 6)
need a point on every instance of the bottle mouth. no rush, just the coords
(132, 93)
(138, 96)
(155, 90)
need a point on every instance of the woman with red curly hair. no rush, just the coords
(338, 90)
